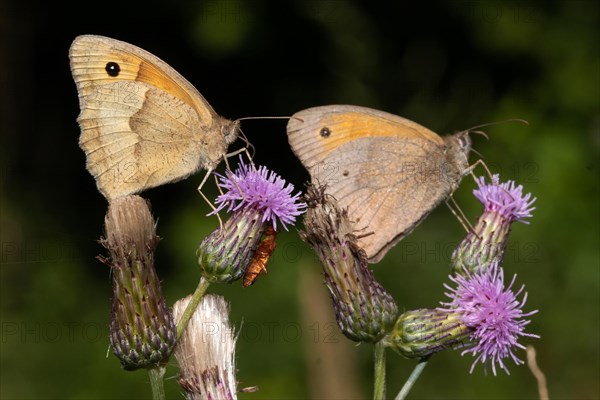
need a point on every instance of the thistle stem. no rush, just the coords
(412, 379)
(156, 374)
(379, 361)
(189, 311)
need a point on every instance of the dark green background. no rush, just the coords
(448, 65)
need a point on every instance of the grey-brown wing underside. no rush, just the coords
(144, 126)
(388, 186)
(389, 172)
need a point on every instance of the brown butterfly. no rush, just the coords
(387, 171)
(142, 124)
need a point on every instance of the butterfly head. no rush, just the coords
(231, 131)
(458, 147)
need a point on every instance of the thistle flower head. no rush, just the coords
(257, 198)
(505, 198)
(261, 190)
(493, 312)
(503, 203)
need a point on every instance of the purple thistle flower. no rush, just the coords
(505, 198)
(257, 197)
(503, 204)
(261, 190)
(493, 312)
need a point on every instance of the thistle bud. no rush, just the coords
(142, 332)
(364, 310)
(421, 333)
(224, 254)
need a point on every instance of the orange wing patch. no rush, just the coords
(348, 126)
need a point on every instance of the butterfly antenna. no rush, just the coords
(247, 118)
(498, 123)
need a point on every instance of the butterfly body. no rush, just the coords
(142, 124)
(387, 171)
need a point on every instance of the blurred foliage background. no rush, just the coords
(448, 65)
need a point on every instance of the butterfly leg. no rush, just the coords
(218, 187)
(464, 221)
(475, 164)
(483, 164)
(249, 147)
(210, 204)
(235, 153)
(462, 218)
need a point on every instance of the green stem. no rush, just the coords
(156, 374)
(379, 356)
(412, 379)
(189, 310)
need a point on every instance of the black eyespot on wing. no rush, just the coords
(112, 69)
(346, 172)
(325, 132)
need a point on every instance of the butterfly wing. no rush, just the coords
(386, 170)
(142, 124)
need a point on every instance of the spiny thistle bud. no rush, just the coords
(224, 254)
(142, 332)
(257, 197)
(503, 204)
(206, 350)
(421, 333)
(364, 310)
